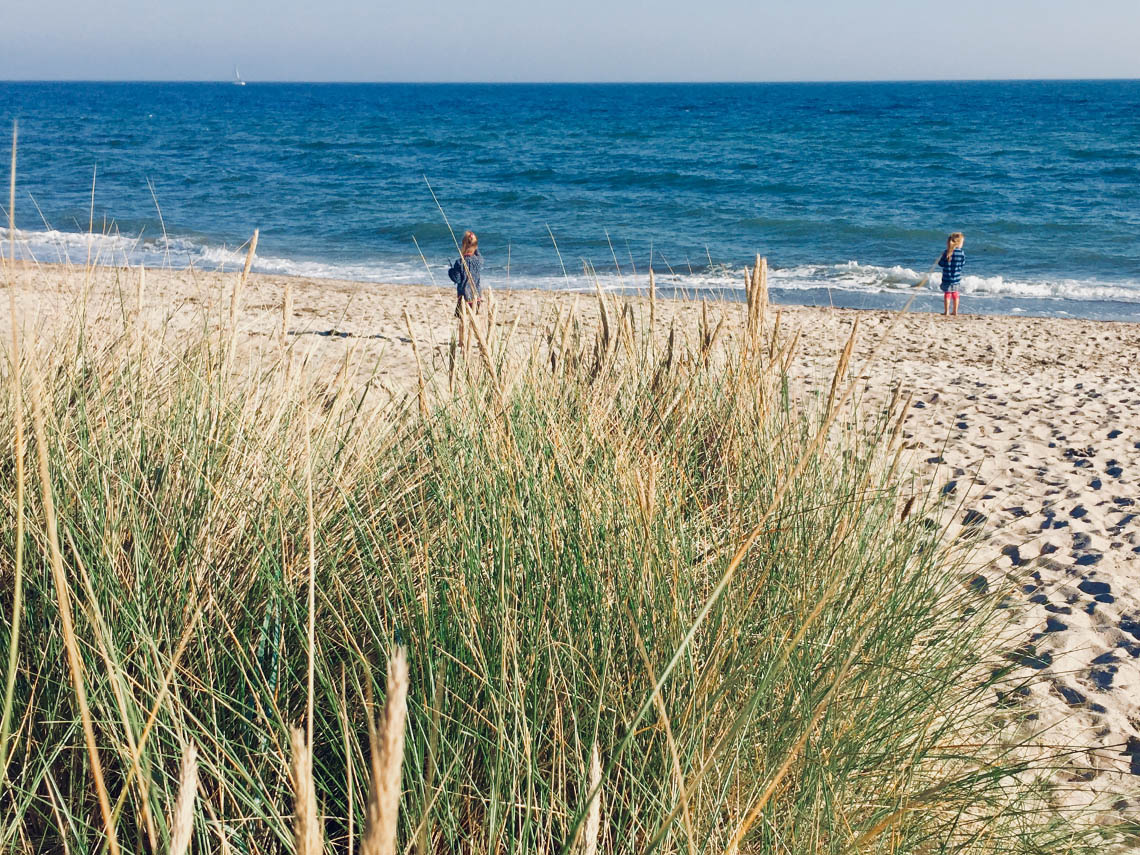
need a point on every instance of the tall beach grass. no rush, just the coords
(603, 591)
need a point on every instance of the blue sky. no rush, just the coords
(524, 40)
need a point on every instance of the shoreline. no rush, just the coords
(673, 285)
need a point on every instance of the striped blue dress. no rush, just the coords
(952, 270)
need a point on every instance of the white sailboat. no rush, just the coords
(237, 78)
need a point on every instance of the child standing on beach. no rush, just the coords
(952, 262)
(465, 273)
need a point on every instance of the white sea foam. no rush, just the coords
(851, 276)
(179, 252)
(865, 277)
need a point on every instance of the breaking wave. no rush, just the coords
(52, 246)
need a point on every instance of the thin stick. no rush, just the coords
(929, 273)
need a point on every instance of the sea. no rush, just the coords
(848, 189)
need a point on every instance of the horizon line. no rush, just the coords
(297, 81)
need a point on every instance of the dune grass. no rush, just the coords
(651, 601)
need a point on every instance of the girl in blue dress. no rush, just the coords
(952, 262)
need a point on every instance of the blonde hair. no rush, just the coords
(953, 242)
(470, 243)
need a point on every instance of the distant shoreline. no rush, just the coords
(926, 300)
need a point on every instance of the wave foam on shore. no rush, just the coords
(53, 246)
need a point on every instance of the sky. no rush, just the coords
(589, 40)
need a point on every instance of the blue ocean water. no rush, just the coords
(848, 189)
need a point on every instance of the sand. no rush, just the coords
(1031, 427)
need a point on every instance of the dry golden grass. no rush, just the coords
(308, 836)
(182, 818)
(387, 752)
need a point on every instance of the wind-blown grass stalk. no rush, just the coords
(557, 252)
(840, 375)
(311, 537)
(236, 296)
(286, 312)
(652, 307)
(427, 266)
(423, 832)
(421, 385)
(12, 203)
(348, 764)
(14, 374)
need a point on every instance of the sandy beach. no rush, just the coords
(1028, 426)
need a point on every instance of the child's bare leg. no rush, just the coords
(946, 304)
(955, 304)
